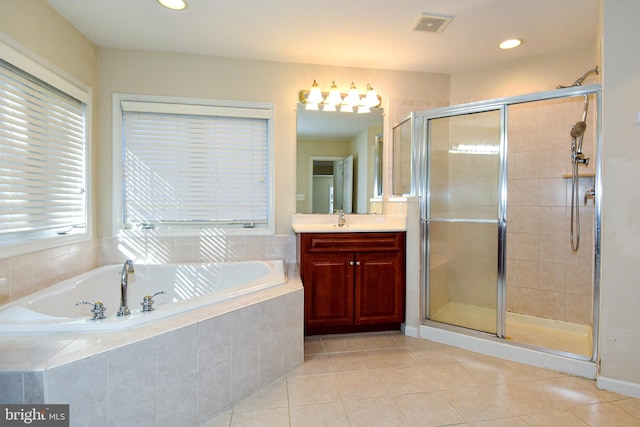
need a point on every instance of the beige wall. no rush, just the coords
(220, 78)
(527, 75)
(36, 30)
(620, 324)
(39, 28)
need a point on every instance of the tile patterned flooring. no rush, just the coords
(388, 379)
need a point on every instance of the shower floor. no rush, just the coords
(520, 328)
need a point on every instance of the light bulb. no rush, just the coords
(174, 4)
(371, 100)
(334, 97)
(510, 44)
(315, 94)
(353, 97)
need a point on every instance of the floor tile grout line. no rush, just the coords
(519, 379)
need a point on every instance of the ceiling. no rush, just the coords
(349, 33)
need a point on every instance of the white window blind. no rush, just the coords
(193, 165)
(42, 159)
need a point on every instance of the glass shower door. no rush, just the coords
(462, 218)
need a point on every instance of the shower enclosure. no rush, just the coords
(495, 180)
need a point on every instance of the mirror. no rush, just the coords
(402, 168)
(339, 160)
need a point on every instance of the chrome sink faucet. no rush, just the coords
(127, 268)
(341, 219)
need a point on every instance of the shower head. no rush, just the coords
(578, 129)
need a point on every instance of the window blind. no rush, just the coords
(42, 158)
(193, 168)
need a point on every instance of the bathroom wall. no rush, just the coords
(620, 317)
(185, 75)
(527, 75)
(36, 30)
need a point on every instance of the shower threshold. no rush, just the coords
(520, 328)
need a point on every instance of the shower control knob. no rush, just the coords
(589, 194)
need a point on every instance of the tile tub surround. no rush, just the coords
(177, 371)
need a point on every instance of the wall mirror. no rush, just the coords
(402, 168)
(339, 161)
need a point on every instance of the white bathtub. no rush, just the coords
(187, 286)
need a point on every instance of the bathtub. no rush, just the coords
(204, 348)
(187, 287)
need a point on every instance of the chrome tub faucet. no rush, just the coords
(127, 268)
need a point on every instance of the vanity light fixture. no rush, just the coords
(174, 4)
(336, 101)
(510, 44)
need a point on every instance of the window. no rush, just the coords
(193, 164)
(43, 152)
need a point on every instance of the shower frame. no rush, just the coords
(420, 123)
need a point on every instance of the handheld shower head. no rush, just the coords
(578, 129)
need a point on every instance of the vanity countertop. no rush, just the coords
(361, 223)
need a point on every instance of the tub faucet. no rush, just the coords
(127, 268)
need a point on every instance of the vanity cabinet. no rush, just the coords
(353, 282)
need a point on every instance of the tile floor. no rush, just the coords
(391, 380)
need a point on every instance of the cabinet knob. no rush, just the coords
(350, 262)
(357, 262)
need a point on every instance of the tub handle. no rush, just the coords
(147, 302)
(97, 310)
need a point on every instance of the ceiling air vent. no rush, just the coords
(432, 23)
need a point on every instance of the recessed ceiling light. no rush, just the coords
(510, 44)
(174, 4)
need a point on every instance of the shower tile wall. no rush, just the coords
(215, 247)
(545, 278)
(26, 274)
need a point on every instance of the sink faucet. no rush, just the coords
(127, 268)
(341, 220)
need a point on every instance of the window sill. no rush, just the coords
(208, 232)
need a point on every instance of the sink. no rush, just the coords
(321, 223)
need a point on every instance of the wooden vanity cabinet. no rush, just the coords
(353, 282)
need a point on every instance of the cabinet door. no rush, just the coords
(328, 290)
(379, 288)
